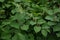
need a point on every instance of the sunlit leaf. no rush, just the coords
(25, 27)
(37, 29)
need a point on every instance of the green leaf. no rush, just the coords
(25, 27)
(41, 21)
(14, 37)
(2, 11)
(49, 18)
(58, 34)
(31, 37)
(12, 18)
(37, 29)
(5, 36)
(27, 0)
(13, 11)
(51, 23)
(6, 29)
(52, 18)
(14, 24)
(50, 12)
(20, 17)
(32, 22)
(21, 36)
(2, 0)
(56, 28)
(44, 33)
(6, 22)
(45, 26)
(7, 5)
(48, 30)
(18, 36)
(17, 0)
(56, 10)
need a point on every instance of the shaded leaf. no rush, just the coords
(44, 33)
(58, 34)
(14, 24)
(56, 28)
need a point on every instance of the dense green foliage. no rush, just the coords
(29, 19)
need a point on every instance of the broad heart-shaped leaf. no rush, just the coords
(58, 34)
(41, 21)
(17, 0)
(37, 29)
(44, 33)
(14, 24)
(32, 22)
(2, 0)
(25, 27)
